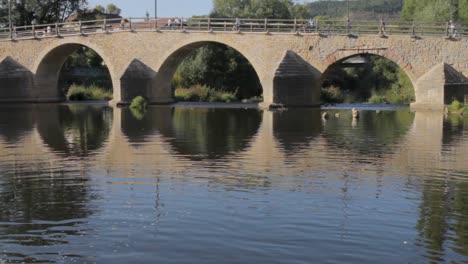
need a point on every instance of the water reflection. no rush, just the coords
(235, 183)
(373, 132)
(199, 133)
(455, 129)
(74, 130)
(42, 205)
(295, 128)
(15, 122)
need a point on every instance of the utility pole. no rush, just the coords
(156, 9)
(347, 8)
(9, 19)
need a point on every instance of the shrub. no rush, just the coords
(456, 105)
(377, 99)
(201, 93)
(332, 94)
(139, 102)
(93, 92)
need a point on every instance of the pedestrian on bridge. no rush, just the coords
(382, 27)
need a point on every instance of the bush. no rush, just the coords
(332, 94)
(456, 105)
(377, 99)
(139, 102)
(201, 93)
(82, 93)
(255, 99)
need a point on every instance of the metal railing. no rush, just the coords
(284, 26)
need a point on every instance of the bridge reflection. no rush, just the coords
(74, 130)
(196, 134)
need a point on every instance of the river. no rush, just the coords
(94, 184)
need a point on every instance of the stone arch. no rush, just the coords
(162, 91)
(49, 64)
(342, 55)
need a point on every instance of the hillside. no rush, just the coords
(359, 9)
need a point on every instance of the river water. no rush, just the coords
(93, 184)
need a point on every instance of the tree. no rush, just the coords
(463, 10)
(46, 11)
(100, 8)
(435, 10)
(113, 9)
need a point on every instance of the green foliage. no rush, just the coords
(200, 93)
(378, 81)
(139, 102)
(138, 113)
(435, 10)
(463, 10)
(378, 99)
(83, 93)
(332, 94)
(84, 57)
(50, 11)
(100, 8)
(255, 9)
(359, 9)
(113, 9)
(221, 68)
(456, 107)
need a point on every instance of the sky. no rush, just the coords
(166, 8)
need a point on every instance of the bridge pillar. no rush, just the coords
(431, 88)
(16, 82)
(296, 82)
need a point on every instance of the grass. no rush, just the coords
(202, 93)
(84, 93)
(456, 107)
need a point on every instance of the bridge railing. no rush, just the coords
(294, 26)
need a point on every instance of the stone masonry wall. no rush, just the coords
(264, 51)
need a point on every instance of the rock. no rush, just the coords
(356, 113)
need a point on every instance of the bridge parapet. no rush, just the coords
(262, 26)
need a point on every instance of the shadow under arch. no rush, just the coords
(162, 91)
(195, 133)
(74, 130)
(49, 65)
(16, 121)
(339, 57)
(296, 128)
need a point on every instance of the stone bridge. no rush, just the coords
(289, 65)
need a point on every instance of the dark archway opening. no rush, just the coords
(366, 78)
(85, 76)
(214, 72)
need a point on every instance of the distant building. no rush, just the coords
(92, 14)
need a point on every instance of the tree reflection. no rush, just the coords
(42, 205)
(74, 130)
(455, 128)
(373, 132)
(200, 133)
(433, 219)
